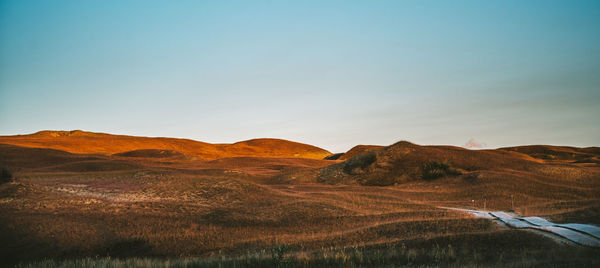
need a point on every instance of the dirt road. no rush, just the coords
(583, 234)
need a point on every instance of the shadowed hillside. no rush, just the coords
(151, 153)
(82, 142)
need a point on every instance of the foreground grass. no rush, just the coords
(422, 253)
(435, 258)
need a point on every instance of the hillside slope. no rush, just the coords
(516, 178)
(405, 162)
(82, 142)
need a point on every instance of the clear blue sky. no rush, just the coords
(329, 73)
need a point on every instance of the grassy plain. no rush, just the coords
(154, 208)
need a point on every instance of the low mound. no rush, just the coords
(18, 157)
(151, 153)
(82, 142)
(274, 148)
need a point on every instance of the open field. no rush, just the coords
(146, 207)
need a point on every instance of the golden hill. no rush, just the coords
(82, 142)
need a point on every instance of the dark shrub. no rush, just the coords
(360, 161)
(5, 175)
(433, 170)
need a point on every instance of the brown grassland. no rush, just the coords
(129, 201)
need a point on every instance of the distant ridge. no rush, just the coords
(83, 142)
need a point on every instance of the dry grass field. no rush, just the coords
(162, 206)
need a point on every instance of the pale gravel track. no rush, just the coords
(582, 234)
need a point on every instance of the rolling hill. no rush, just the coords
(82, 142)
(406, 162)
(537, 179)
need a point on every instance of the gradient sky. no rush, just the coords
(329, 73)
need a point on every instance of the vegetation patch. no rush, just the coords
(5, 175)
(357, 164)
(433, 170)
